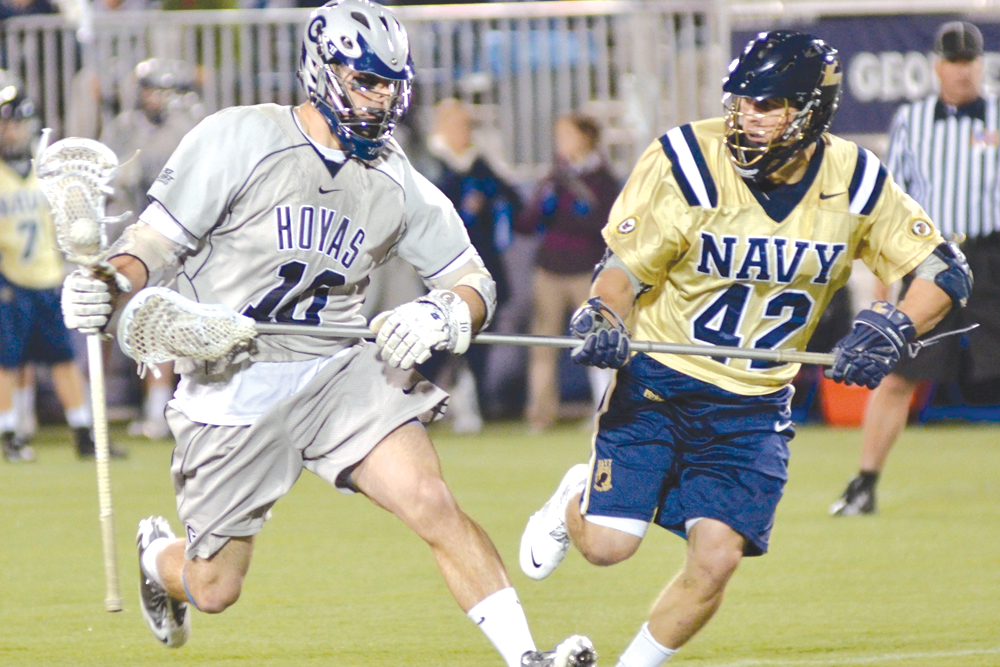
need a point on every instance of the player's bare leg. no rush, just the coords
(600, 545)
(403, 475)
(24, 404)
(884, 421)
(213, 584)
(689, 601)
(68, 382)
(692, 598)
(168, 582)
(12, 451)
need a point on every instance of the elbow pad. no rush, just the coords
(472, 274)
(160, 255)
(613, 261)
(949, 270)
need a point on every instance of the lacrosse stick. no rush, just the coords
(73, 174)
(159, 325)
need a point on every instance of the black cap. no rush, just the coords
(958, 40)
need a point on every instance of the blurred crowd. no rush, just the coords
(10, 8)
(539, 237)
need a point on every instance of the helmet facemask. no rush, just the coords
(356, 70)
(761, 142)
(361, 108)
(18, 128)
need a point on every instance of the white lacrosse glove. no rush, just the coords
(86, 297)
(437, 321)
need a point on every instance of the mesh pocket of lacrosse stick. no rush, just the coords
(159, 325)
(74, 175)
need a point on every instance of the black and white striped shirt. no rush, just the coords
(946, 159)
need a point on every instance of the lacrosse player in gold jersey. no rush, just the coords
(733, 231)
(31, 270)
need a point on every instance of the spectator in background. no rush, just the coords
(167, 108)
(31, 270)
(9, 8)
(569, 206)
(943, 151)
(198, 4)
(487, 205)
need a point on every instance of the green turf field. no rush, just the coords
(337, 582)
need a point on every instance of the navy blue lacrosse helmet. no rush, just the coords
(800, 72)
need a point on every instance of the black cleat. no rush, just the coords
(575, 651)
(15, 452)
(167, 618)
(85, 448)
(858, 499)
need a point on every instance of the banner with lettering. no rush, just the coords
(887, 61)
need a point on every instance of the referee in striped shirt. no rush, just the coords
(943, 151)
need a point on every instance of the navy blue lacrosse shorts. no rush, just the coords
(31, 327)
(672, 448)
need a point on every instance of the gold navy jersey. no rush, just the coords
(28, 254)
(729, 266)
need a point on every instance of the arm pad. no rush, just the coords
(949, 270)
(160, 255)
(472, 274)
(613, 261)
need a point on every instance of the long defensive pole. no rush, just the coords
(526, 340)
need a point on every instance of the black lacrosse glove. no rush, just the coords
(879, 339)
(605, 342)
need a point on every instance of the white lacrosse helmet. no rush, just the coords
(359, 45)
(19, 123)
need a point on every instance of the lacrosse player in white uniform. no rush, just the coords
(280, 214)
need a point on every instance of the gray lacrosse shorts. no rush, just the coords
(226, 478)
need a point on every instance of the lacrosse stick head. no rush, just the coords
(75, 174)
(159, 325)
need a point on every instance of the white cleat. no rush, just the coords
(545, 540)
(168, 619)
(575, 651)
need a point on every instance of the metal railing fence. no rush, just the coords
(640, 66)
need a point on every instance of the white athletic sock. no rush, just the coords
(149, 558)
(80, 417)
(8, 421)
(24, 404)
(156, 403)
(644, 651)
(502, 620)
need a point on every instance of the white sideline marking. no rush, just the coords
(873, 660)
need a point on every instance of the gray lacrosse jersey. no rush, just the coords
(281, 234)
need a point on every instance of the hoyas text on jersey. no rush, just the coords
(765, 258)
(320, 230)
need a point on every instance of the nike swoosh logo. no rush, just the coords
(821, 195)
(326, 192)
(781, 426)
(409, 390)
(533, 561)
(481, 621)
